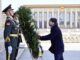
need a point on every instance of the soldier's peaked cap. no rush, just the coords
(6, 9)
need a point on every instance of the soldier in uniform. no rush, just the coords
(16, 19)
(10, 34)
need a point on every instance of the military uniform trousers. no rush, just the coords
(13, 43)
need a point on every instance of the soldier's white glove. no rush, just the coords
(9, 49)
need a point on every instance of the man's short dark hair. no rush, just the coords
(53, 20)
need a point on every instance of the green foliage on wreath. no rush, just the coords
(28, 27)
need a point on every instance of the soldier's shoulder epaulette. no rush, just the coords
(8, 22)
(8, 18)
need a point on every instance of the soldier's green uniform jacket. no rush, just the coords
(11, 31)
(11, 36)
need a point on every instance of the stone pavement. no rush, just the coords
(68, 55)
(72, 52)
(25, 55)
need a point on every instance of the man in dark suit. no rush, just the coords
(57, 45)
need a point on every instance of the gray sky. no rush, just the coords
(17, 3)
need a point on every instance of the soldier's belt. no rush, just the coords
(19, 33)
(14, 35)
